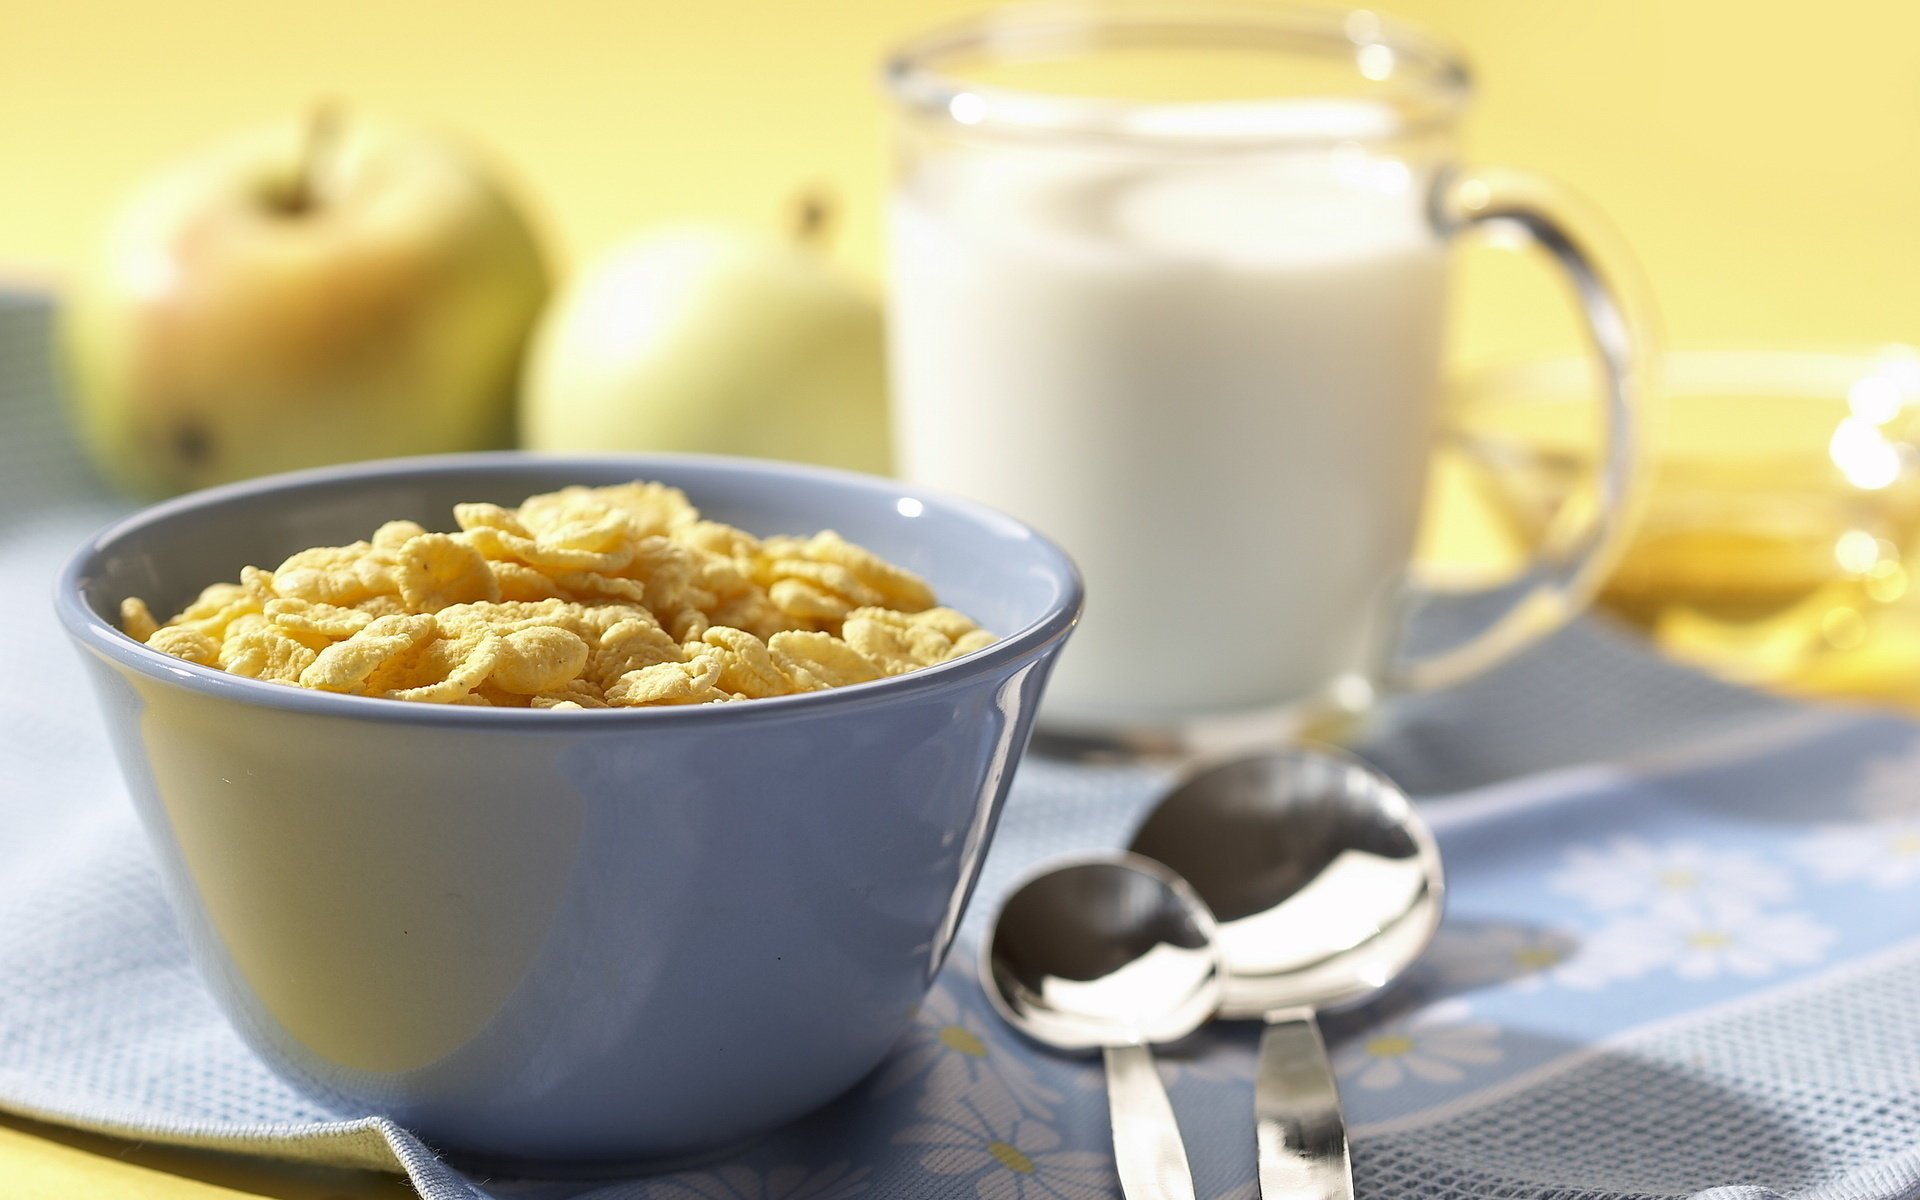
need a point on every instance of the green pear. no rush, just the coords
(300, 295)
(708, 339)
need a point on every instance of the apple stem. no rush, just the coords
(316, 147)
(813, 214)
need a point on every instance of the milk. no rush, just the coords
(1213, 383)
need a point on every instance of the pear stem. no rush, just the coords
(813, 218)
(322, 131)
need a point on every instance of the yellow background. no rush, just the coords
(1763, 159)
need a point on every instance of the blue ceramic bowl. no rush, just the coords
(589, 937)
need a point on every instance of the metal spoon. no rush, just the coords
(1326, 885)
(1111, 952)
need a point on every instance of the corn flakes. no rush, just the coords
(583, 598)
(137, 619)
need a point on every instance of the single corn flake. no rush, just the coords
(803, 601)
(649, 508)
(725, 578)
(607, 534)
(212, 600)
(518, 581)
(956, 634)
(216, 625)
(550, 510)
(746, 666)
(216, 608)
(820, 660)
(325, 586)
(506, 615)
(897, 649)
(712, 537)
(461, 665)
(488, 516)
(629, 645)
(692, 682)
(539, 659)
(672, 575)
(499, 544)
(395, 534)
(896, 587)
(435, 570)
(342, 575)
(345, 666)
(313, 617)
(458, 660)
(753, 612)
(590, 621)
(943, 620)
(136, 619)
(687, 623)
(262, 650)
(258, 584)
(901, 588)
(967, 643)
(332, 559)
(184, 641)
(832, 578)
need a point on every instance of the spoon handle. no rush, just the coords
(1301, 1135)
(1147, 1151)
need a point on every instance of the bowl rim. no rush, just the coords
(95, 633)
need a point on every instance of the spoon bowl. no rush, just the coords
(1326, 885)
(1103, 952)
(1325, 882)
(1113, 952)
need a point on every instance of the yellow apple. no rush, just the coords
(299, 295)
(709, 339)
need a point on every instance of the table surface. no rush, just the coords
(47, 1162)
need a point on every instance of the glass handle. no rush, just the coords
(1563, 572)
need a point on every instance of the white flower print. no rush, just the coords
(1489, 955)
(1885, 854)
(949, 1047)
(980, 1132)
(1527, 959)
(1434, 1045)
(833, 1182)
(1675, 879)
(1702, 945)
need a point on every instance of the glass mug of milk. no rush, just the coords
(1168, 281)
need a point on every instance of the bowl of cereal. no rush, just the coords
(587, 810)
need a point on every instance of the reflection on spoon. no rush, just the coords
(1326, 885)
(1111, 952)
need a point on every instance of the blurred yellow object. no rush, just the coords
(710, 339)
(309, 292)
(1781, 517)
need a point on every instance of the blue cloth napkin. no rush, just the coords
(1682, 951)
